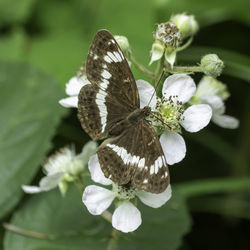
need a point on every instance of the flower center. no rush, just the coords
(124, 192)
(168, 114)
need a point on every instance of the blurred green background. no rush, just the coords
(42, 44)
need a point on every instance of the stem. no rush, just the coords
(25, 232)
(185, 69)
(189, 41)
(113, 240)
(107, 216)
(140, 67)
(158, 71)
(195, 188)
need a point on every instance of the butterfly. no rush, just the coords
(110, 107)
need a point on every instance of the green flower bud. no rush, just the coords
(186, 24)
(123, 43)
(212, 65)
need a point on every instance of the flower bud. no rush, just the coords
(157, 51)
(186, 24)
(212, 65)
(123, 43)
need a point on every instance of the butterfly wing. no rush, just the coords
(112, 94)
(135, 156)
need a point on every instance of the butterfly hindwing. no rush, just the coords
(136, 155)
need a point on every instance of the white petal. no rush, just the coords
(196, 117)
(126, 217)
(215, 102)
(146, 91)
(97, 199)
(69, 102)
(155, 200)
(225, 121)
(51, 181)
(96, 171)
(32, 189)
(88, 150)
(74, 86)
(181, 85)
(173, 146)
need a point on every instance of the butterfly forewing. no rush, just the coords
(113, 88)
(136, 155)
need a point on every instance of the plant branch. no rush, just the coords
(28, 233)
(113, 240)
(140, 67)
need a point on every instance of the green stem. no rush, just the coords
(184, 69)
(140, 67)
(189, 41)
(107, 216)
(113, 240)
(158, 71)
(28, 233)
(220, 185)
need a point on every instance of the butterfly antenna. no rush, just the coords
(157, 85)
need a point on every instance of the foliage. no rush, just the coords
(42, 43)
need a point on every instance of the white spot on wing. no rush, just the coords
(112, 56)
(106, 74)
(107, 59)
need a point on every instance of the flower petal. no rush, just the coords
(155, 200)
(126, 217)
(69, 102)
(96, 171)
(74, 86)
(215, 102)
(146, 91)
(97, 199)
(88, 150)
(196, 117)
(173, 146)
(180, 85)
(51, 181)
(225, 121)
(32, 189)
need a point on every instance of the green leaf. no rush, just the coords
(12, 46)
(64, 220)
(236, 65)
(69, 226)
(29, 115)
(15, 11)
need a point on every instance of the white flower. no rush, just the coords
(73, 88)
(214, 92)
(126, 216)
(169, 113)
(63, 167)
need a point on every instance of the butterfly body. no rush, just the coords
(110, 107)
